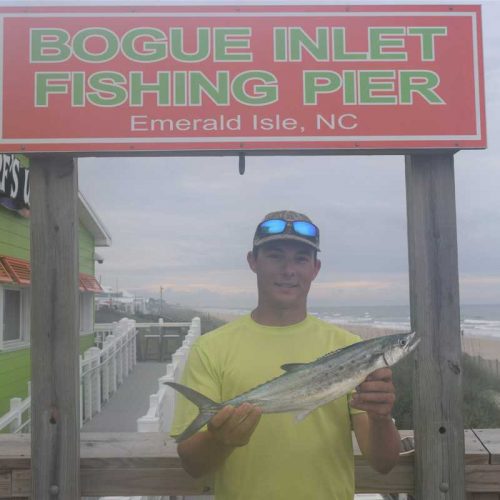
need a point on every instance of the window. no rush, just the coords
(14, 316)
(11, 315)
(86, 312)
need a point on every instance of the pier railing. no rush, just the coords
(114, 464)
(103, 369)
(161, 404)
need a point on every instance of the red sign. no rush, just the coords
(158, 78)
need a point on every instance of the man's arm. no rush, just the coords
(230, 428)
(375, 431)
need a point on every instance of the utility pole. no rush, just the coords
(161, 301)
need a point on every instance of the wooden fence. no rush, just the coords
(490, 365)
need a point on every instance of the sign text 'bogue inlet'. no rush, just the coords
(175, 78)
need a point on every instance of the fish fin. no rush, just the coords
(301, 415)
(207, 408)
(195, 397)
(293, 367)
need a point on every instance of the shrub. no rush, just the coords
(481, 395)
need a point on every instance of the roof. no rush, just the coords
(5, 277)
(90, 220)
(18, 271)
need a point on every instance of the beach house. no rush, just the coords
(15, 269)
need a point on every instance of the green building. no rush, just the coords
(15, 272)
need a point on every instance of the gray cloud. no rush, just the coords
(187, 223)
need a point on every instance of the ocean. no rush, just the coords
(482, 320)
(475, 320)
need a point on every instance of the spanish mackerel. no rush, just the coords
(306, 386)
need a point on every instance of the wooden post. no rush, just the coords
(435, 316)
(55, 444)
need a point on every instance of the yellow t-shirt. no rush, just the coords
(285, 459)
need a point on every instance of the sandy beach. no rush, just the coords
(486, 347)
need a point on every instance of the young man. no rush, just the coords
(273, 457)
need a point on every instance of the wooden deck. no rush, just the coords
(147, 464)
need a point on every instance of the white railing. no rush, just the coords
(103, 330)
(19, 410)
(161, 404)
(102, 370)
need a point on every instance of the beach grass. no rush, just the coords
(481, 395)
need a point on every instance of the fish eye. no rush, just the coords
(403, 342)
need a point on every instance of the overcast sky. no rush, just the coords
(186, 223)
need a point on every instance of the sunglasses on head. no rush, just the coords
(280, 226)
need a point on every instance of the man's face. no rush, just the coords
(285, 271)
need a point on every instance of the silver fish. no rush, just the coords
(306, 386)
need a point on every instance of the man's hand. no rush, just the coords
(233, 427)
(376, 395)
(229, 428)
(375, 431)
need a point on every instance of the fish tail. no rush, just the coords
(205, 405)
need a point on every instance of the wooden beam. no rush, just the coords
(435, 316)
(147, 464)
(55, 445)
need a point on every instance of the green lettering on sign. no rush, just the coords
(372, 81)
(379, 42)
(160, 88)
(262, 93)
(108, 89)
(422, 83)
(81, 41)
(300, 41)
(200, 84)
(232, 38)
(50, 83)
(320, 82)
(427, 36)
(153, 49)
(49, 45)
(177, 46)
(280, 44)
(339, 50)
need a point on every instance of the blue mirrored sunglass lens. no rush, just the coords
(273, 226)
(305, 228)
